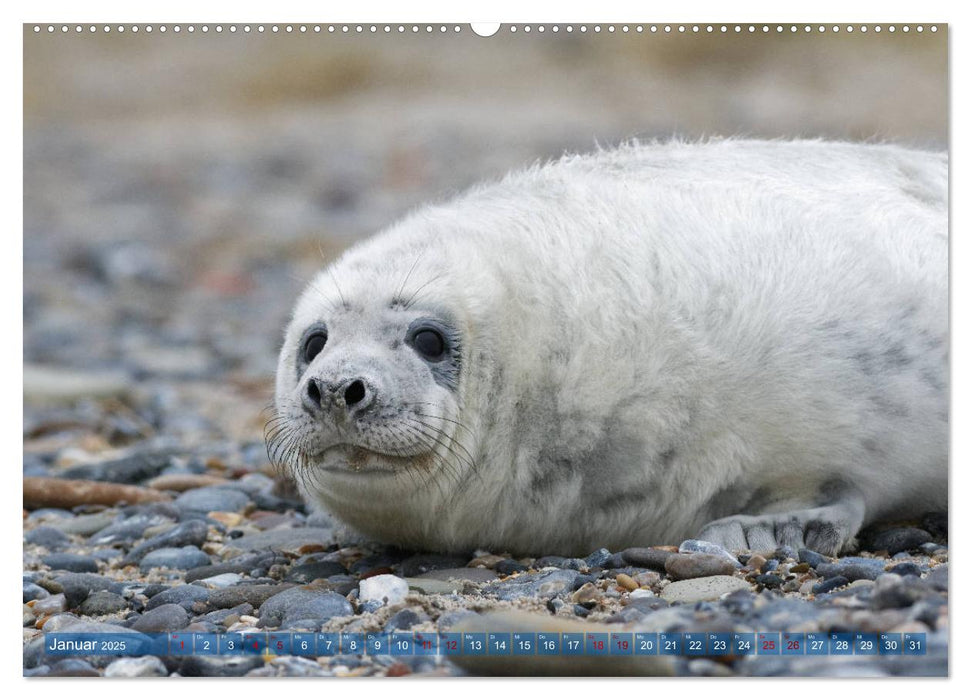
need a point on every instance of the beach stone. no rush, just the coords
(50, 605)
(647, 557)
(686, 566)
(703, 547)
(210, 498)
(852, 568)
(253, 594)
(85, 525)
(174, 558)
(127, 530)
(700, 589)
(402, 620)
(385, 589)
(598, 558)
(305, 573)
(77, 587)
(936, 524)
(303, 603)
(190, 532)
(221, 580)
(75, 563)
(554, 561)
(509, 566)
(901, 539)
(103, 603)
(47, 536)
(430, 586)
(42, 491)
(238, 565)
(136, 667)
(288, 539)
(34, 592)
(814, 559)
(423, 563)
(906, 568)
(542, 584)
(937, 577)
(132, 469)
(830, 584)
(165, 618)
(185, 596)
(463, 574)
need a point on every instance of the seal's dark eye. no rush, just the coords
(313, 345)
(429, 343)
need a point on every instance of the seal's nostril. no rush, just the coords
(313, 392)
(355, 392)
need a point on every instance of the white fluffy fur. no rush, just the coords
(654, 334)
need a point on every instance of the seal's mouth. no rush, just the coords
(346, 458)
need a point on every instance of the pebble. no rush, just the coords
(543, 584)
(185, 595)
(699, 589)
(50, 384)
(423, 563)
(132, 469)
(165, 618)
(931, 547)
(50, 605)
(185, 482)
(103, 603)
(937, 577)
(75, 563)
(702, 547)
(174, 558)
(47, 536)
(42, 491)
(509, 566)
(191, 532)
(136, 667)
(688, 566)
(210, 498)
(219, 666)
(901, 539)
(84, 525)
(284, 539)
(402, 620)
(77, 587)
(814, 559)
(303, 603)
(305, 573)
(830, 584)
(127, 530)
(553, 561)
(598, 558)
(221, 580)
(385, 589)
(648, 557)
(852, 568)
(906, 568)
(626, 582)
(237, 565)
(254, 594)
(34, 592)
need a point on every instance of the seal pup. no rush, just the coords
(742, 341)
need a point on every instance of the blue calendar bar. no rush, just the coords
(309, 644)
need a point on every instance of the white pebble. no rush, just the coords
(136, 667)
(385, 588)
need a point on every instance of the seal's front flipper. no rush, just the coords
(828, 527)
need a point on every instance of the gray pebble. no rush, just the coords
(191, 532)
(75, 563)
(901, 539)
(423, 563)
(165, 618)
(77, 587)
(907, 568)
(238, 565)
(543, 584)
(34, 592)
(402, 620)
(931, 547)
(937, 577)
(812, 558)
(702, 547)
(509, 566)
(647, 557)
(103, 603)
(219, 666)
(830, 584)
(544, 562)
(174, 558)
(127, 530)
(598, 558)
(85, 525)
(212, 498)
(852, 568)
(311, 571)
(179, 595)
(126, 470)
(47, 536)
(303, 603)
(254, 594)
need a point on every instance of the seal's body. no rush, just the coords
(744, 341)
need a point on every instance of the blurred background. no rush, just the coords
(180, 189)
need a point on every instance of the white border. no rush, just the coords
(605, 11)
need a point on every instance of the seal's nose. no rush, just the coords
(348, 398)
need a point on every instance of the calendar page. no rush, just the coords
(519, 349)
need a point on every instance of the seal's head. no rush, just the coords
(369, 388)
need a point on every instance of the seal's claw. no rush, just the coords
(827, 530)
